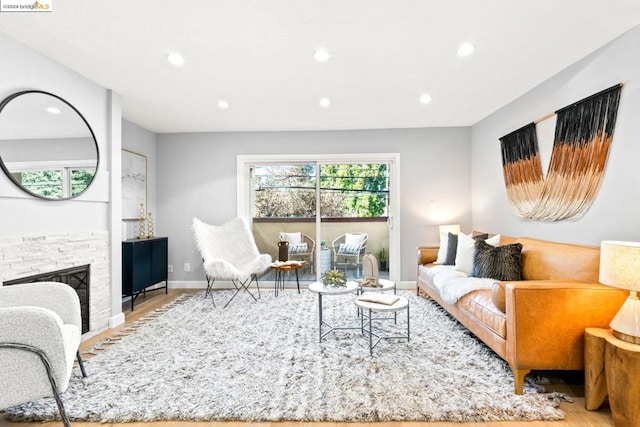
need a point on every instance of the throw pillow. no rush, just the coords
(500, 263)
(442, 250)
(292, 238)
(299, 248)
(346, 249)
(452, 247)
(466, 250)
(353, 239)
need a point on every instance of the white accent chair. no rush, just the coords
(301, 246)
(40, 331)
(229, 252)
(348, 249)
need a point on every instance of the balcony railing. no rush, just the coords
(267, 230)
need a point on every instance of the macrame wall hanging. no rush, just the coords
(581, 145)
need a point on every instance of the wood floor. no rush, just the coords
(575, 413)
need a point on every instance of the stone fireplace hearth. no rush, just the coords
(24, 257)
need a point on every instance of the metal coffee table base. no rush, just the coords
(367, 326)
(330, 327)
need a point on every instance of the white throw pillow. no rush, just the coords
(353, 239)
(292, 238)
(467, 250)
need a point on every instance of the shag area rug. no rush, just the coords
(261, 361)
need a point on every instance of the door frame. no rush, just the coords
(243, 208)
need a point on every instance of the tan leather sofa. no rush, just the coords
(537, 323)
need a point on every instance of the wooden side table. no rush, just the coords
(612, 367)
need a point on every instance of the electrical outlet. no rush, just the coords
(170, 268)
(187, 266)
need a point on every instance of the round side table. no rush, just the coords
(320, 289)
(368, 308)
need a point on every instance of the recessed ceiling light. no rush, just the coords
(223, 104)
(53, 110)
(465, 49)
(324, 102)
(425, 98)
(175, 59)
(321, 55)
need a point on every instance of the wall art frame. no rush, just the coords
(134, 185)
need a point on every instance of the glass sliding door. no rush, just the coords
(341, 206)
(284, 208)
(354, 210)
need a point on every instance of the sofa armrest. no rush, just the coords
(427, 254)
(57, 297)
(546, 321)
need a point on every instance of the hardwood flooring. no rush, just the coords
(576, 414)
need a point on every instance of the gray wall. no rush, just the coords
(615, 212)
(197, 178)
(141, 141)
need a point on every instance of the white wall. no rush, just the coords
(197, 178)
(141, 141)
(22, 215)
(616, 209)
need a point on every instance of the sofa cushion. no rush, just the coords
(500, 263)
(292, 238)
(479, 305)
(444, 245)
(452, 248)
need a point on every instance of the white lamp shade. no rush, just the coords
(449, 228)
(620, 264)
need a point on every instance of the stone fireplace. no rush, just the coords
(63, 258)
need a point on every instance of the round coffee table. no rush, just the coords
(369, 307)
(320, 289)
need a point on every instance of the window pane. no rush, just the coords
(285, 191)
(354, 190)
(46, 183)
(80, 180)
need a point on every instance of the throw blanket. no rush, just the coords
(453, 284)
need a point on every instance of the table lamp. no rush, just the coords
(449, 228)
(620, 267)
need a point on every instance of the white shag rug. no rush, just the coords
(261, 361)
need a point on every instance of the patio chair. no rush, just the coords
(301, 246)
(348, 249)
(39, 339)
(229, 252)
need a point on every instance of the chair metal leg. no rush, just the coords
(47, 365)
(81, 363)
(210, 281)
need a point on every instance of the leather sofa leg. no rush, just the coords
(518, 378)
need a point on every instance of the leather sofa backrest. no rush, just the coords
(544, 260)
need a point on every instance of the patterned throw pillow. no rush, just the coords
(300, 248)
(348, 249)
(500, 263)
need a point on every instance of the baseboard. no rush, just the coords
(116, 320)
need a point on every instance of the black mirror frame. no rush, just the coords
(11, 97)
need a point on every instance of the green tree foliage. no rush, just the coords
(350, 190)
(47, 183)
(80, 180)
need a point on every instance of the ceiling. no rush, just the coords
(258, 57)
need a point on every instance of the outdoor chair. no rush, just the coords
(39, 339)
(301, 246)
(229, 252)
(348, 249)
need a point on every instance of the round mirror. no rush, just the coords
(47, 148)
